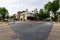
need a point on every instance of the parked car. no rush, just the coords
(11, 20)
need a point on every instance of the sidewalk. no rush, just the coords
(55, 32)
(3, 23)
(6, 33)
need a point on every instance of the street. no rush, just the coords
(32, 30)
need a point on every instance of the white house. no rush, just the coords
(25, 14)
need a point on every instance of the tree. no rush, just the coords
(36, 14)
(46, 14)
(7, 16)
(56, 16)
(3, 12)
(14, 16)
(48, 6)
(52, 6)
(43, 14)
(55, 6)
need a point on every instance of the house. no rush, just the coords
(26, 15)
(18, 15)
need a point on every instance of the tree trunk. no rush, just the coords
(3, 17)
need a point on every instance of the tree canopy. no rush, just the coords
(52, 6)
(43, 14)
(4, 12)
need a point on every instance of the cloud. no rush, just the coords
(15, 5)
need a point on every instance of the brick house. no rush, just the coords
(18, 15)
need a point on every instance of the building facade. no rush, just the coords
(25, 14)
(18, 15)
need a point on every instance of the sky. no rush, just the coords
(13, 6)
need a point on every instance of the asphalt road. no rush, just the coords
(32, 30)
